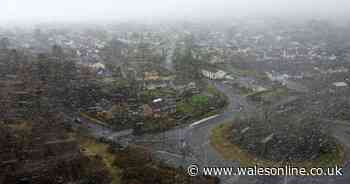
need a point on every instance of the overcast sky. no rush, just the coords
(76, 10)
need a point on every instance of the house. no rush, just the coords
(214, 74)
(275, 77)
(159, 107)
(340, 84)
(332, 71)
(153, 75)
(147, 110)
(99, 68)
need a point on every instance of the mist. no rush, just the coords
(98, 10)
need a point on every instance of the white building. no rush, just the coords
(274, 77)
(98, 66)
(340, 84)
(214, 74)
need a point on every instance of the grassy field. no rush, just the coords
(197, 106)
(220, 140)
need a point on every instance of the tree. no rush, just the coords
(187, 66)
(4, 43)
(113, 52)
(57, 51)
(6, 102)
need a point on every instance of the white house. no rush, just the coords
(98, 66)
(340, 84)
(214, 74)
(274, 77)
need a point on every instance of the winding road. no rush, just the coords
(189, 144)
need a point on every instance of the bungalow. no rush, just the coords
(340, 84)
(214, 74)
(275, 77)
(153, 75)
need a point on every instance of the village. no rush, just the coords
(69, 92)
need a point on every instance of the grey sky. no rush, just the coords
(135, 9)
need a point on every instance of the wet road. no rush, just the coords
(191, 144)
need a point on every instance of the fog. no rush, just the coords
(88, 10)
